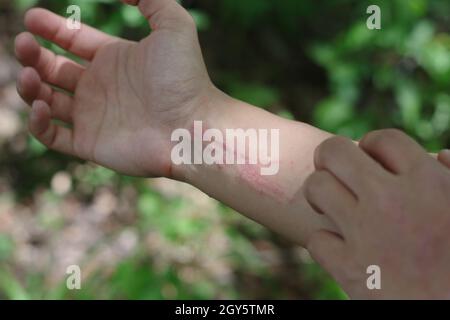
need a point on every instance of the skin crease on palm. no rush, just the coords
(396, 216)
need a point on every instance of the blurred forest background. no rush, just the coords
(314, 61)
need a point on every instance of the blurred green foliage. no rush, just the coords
(314, 61)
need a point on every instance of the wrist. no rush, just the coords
(211, 110)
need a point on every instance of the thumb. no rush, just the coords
(444, 158)
(329, 251)
(164, 14)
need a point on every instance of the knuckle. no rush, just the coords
(335, 143)
(48, 69)
(310, 186)
(393, 134)
(314, 184)
(381, 139)
(307, 187)
(325, 152)
(375, 140)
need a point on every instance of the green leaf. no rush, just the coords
(132, 16)
(409, 101)
(6, 247)
(11, 287)
(201, 19)
(331, 113)
(25, 4)
(35, 147)
(256, 94)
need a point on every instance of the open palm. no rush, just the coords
(121, 108)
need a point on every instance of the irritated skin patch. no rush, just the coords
(250, 174)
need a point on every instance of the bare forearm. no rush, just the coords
(275, 201)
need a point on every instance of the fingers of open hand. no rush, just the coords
(162, 14)
(394, 150)
(31, 88)
(56, 70)
(45, 73)
(53, 136)
(83, 42)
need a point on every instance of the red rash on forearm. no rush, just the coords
(251, 175)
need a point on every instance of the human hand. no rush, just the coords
(444, 157)
(391, 202)
(121, 107)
